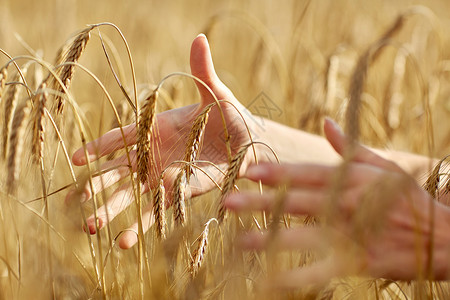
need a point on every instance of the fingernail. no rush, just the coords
(91, 228)
(334, 124)
(256, 171)
(83, 197)
(202, 34)
(82, 160)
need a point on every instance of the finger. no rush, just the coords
(309, 175)
(339, 142)
(303, 238)
(202, 67)
(120, 170)
(129, 237)
(119, 200)
(104, 145)
(296, 201)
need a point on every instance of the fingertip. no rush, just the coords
(256, 171)
(201, 60)
(79, 158)
(128, 240)
(202, 35)
(334, 134)
(90, 228)
(74, 194)
(331, 124)
(234, 201)
(91, 225)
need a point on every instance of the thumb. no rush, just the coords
(362, 154)
(202, 67)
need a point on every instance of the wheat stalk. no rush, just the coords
(159, 210)
(230, 179)
(193, 144)
(144, 134)
(200, 251)
(179, 198)
(69, 57)
(16, 141)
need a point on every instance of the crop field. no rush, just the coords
(70, 71)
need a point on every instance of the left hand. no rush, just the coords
(173, 129)
(381, 213)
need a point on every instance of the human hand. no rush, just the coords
(382, 223)
(173, 130)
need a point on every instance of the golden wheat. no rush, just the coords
(159, 210)
(200, 251)
(230, 180)
(194, 141)
(179, 198)
(69, 58)
(144, 137)
(38, 119)
(3, 78)
(10, 103)
(16, 145)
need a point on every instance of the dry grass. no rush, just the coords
(381, 68)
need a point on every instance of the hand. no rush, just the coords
(380, 225)
(174, 127)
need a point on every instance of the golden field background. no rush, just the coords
(301, 54)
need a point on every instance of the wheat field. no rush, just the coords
(76, 74)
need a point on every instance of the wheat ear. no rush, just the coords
(230, 180)
(72, 56)
(159, 210)
(432, 183)
(10, 103)
(16, 141)
(179, 195)
(38, 119)
(194, 141)
(144, 135)
(200, 251)
(3, 78)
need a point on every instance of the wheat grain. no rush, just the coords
(230, 180)
(16, 141)
(144, 135)
(72, 56)
(159, 210)
(193, 144)
(179, 198)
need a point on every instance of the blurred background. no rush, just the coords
(298, 55)
(284, 49)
